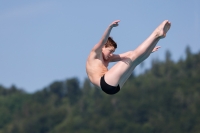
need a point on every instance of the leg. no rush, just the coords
(121, 71)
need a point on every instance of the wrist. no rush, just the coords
(110, 26)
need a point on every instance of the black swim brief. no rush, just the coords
(108, 88)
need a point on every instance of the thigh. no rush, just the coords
(120, 72)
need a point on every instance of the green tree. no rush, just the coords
(73, 90)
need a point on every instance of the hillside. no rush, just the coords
(164, 99)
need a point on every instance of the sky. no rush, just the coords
(46, 41)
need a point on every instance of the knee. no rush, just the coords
(137, 55)
(130, 55)
(133, 55)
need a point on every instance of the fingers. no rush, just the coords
(117, 21)
(156, 49)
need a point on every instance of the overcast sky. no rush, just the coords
(45, 41)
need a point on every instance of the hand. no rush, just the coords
(115, 23)
(155, 49)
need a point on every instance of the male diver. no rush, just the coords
(112, 80)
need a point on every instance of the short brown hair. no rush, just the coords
(111, 42)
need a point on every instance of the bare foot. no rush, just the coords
(162, 29)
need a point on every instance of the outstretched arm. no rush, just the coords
(119, 57)
(102, 42)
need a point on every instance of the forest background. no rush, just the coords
(163, 99)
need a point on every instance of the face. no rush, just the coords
(108, 52)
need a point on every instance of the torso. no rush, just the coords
(96, 67)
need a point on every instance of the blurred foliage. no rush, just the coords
(165, 98)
